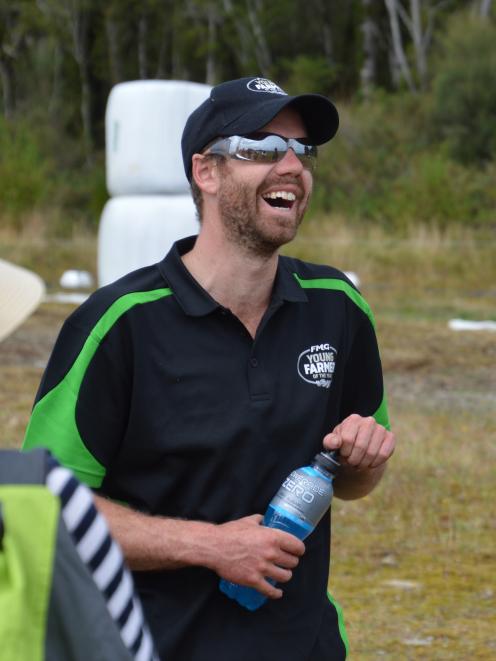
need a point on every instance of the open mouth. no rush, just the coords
(280, 199)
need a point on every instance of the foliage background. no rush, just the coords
(417, 139)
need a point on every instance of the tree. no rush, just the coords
(14, 27)
(418, 24)
(464, 94)
(75, 16)
(369, 35)
(484, 8)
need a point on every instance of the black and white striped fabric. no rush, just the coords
(103, 558)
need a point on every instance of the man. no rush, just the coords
(189, 390)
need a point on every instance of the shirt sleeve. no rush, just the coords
(363, 391)
(80, 412)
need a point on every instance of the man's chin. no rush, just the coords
(283, 229)
(269, 243)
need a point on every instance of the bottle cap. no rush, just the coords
(328, 461)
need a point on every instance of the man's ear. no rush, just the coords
(205, 173)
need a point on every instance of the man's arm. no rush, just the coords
(364, 447)
(240, 551)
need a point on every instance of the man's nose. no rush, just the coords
(289, 163)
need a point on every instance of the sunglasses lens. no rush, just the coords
(267, 150)
(306, 153)
(272, 148)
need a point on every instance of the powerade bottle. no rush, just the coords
(302, 500)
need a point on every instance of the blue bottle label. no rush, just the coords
(305, 496)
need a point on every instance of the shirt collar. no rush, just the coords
(286, 287)
(193, 299)
(197, 302)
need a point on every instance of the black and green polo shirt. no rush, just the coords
(157, 396)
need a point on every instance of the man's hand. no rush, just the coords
(362, 442)
(249, 553)
(364, 448)
(240, 551)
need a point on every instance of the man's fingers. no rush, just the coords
(256, 518)
(278, 574)
(287, 560)
(361, 442)
(249, 553)
(290, 544)
(374, 447)
(385, 451)
(268, 590)
(347, 431)
(332, 441)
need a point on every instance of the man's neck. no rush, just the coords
(237, 280)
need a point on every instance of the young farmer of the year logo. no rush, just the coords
(316, 365)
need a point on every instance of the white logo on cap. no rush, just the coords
(264, 85)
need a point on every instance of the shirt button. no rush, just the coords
(253, 362)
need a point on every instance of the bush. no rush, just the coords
(25, 172)
(308, 74)
(374, 144)
(436, 190)
(464, 90)
(381, 168)
(54, 187)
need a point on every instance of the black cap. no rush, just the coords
(245, 105)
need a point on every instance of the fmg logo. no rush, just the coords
(316, 365)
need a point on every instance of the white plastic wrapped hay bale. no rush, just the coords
(143, 126)
(136, 231)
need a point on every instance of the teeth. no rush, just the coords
(285, 195)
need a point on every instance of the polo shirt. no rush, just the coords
(158, 396)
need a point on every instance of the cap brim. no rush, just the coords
(21, 292)
(318, 113)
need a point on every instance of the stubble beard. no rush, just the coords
(239, 216)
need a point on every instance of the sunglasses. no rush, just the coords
(265, 148)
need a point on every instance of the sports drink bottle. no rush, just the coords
(302, 500)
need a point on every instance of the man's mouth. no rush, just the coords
(280, 199)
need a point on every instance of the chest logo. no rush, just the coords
(316, 365)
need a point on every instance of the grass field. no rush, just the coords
(414, 563)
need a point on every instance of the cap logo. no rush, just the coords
(264, 85)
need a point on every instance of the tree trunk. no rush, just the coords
(54, 101)
(7, 75)
(369, 66)
(244, 41)
(112, 33)
(262, 52)
(325, 31)
(79, 27)
(86, 114)
(211, 72)
(142, 50)
(485, 8)
(418, 42)
(162, 52)
(397, 44)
